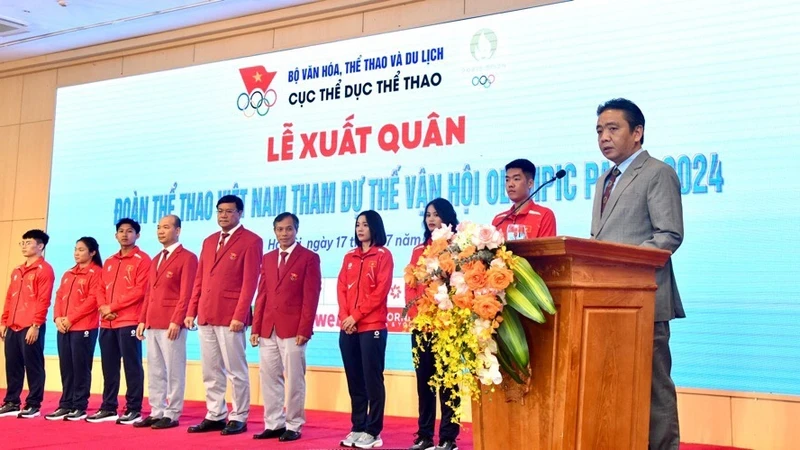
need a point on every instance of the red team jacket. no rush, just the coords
(413, 292)
(226, 280)
(169, 289)
(538, 220)
(288, 304)
(125, 279)
(28, 295)
(363, 287)
(78, 295)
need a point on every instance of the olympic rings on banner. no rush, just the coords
(258, 101)
(483, 80)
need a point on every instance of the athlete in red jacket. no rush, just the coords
(439, 211)
(76, 317)
(363, 289)
(125, 278)
(22, 326)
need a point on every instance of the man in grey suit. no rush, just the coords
(638, 202)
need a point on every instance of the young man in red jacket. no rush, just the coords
(226, 282)
(288, 295)
(22, 326)
(537, 221)
(169, 290)
(125, 279)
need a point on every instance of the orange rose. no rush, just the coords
(409, 275)
(476, 279)
(446, 262)
(467, 252)
(498, 278)
(486, 306)
(436, 247)
(433, 289)
(473, 266)
(463, 300)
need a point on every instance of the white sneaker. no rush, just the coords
(350, 439)
(369, 441)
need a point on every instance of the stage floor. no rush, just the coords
(323, 430)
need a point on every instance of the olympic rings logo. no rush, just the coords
(483, 80)
(257, 102)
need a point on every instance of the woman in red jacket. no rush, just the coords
(363, 290)
(77, 320)
(439, 211)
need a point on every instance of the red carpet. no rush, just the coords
(323, 430)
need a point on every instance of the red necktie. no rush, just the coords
(282, 264)
(609, 187)
(222, 240)
(164, 255)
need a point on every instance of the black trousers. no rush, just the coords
(75, 356)
(664, 428)
(364, 357)
(116, 344)
(23, 359)
(448, 431)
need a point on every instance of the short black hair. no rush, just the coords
(633, 115)
(231, 199)
(175, 219)
(445, 211)
(92, 245)
(526, 166)
(134, 224)
(376, 230)
(282, 216)
(38, 235)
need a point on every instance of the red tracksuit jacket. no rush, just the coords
(77, 296)
(363, 288)
(125, 279)
(28, 295)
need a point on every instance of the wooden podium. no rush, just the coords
(591, 362)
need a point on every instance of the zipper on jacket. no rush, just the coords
(358, 283)
(19, 296)
(113, 287)
(69, 295)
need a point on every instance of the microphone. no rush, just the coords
(559, 175)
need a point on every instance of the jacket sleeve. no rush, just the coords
(136, 294)
(311, 289)
(197, 289)
(341, 292)
(145, 302)
(412, 292)
(380, 294)
(252, 271)
(44, 290)
(548, 225)
(665, 210)
(261, 299)
(188, 274)
(94, 286)
(7, 303)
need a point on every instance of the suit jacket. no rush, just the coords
(169, 289)
(288, 303)
(645, 209)
(226, 281)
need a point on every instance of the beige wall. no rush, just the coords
(27, 107)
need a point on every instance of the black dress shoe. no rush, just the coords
(207, 425)
(146, 423)
(289, 435)
(233, 427)
(270, 434)
(165, 423)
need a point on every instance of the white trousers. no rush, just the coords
(222, 354)
(166, 373)
(276, 356)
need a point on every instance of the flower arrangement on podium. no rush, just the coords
(471, 291)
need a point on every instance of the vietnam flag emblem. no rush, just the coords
(256, 78)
